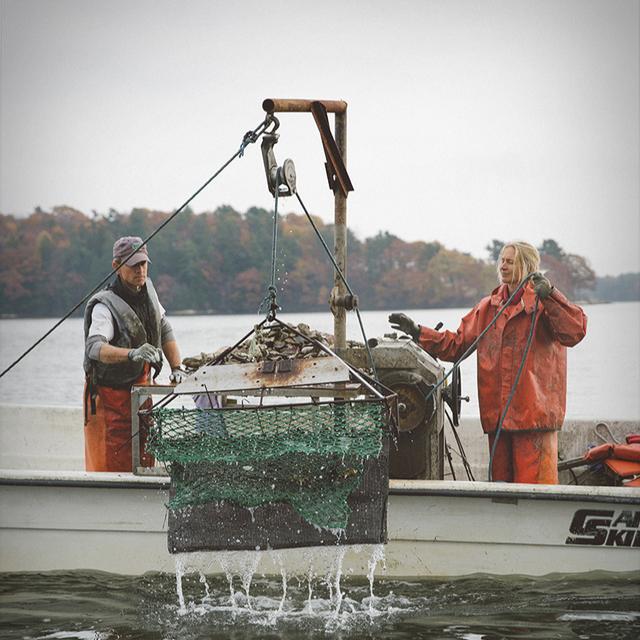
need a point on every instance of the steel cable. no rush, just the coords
(249, 138)
(513, 389)
(344, 280)
(270, 298)
(473, 345)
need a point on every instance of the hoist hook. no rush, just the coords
(273, 304)
(270, 303)
(281, 178)
(271, 119)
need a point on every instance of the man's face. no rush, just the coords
(507, 266)
(133, 277)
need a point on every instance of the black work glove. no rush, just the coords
(404, 323)
(541, 285)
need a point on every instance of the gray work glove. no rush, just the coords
(146, 353)
(541, 285)
(177, 375)
(404, 323)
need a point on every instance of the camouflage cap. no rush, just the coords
(125, 246)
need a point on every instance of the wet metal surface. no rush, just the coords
(268, 374)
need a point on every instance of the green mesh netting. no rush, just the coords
(310, 456)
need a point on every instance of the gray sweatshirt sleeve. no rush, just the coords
(93, 345)
(166, 331)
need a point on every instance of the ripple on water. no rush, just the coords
(102, 606)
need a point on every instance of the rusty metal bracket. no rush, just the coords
(336, 171)
(295, 105)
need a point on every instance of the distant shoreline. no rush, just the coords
(196, 312)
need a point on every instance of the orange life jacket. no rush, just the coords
(621, 459)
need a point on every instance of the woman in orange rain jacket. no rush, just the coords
(527, 445)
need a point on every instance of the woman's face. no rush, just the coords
(507, 266)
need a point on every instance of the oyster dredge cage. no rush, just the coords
(300, 460)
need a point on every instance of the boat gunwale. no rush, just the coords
(425, 488)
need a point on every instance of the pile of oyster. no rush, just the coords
(272, 342)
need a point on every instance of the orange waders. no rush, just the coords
(107, 433)
(525, 456)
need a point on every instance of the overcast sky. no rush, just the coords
(467, 121)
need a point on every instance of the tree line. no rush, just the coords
(220, 262)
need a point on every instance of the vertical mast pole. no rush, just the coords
(340, 236)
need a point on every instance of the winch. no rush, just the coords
(412, 374)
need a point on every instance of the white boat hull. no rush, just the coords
(117, 523)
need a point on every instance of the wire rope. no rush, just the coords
(344, 280)
(249, 138)
(270, 299)
(513, 389)
(461, 451)
(473, 345)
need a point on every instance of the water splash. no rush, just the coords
(242, 564)
(277, 556)
(318, 595)
(338, 575)
(251, 564)
(377, 555)
(179, 573)
(311, 575)
(225, 563)
(203, 581)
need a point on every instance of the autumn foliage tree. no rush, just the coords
(220, 262)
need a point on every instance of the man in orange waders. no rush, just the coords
(527, 444)
(125, 332)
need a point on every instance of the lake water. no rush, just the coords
(603, 382)
(101, 606)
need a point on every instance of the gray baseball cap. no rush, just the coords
(124, 246)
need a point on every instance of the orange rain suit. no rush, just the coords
(528, 444)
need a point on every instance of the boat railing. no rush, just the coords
(139, 395)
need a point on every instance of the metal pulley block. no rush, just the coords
(342, 301)
(281, 178)
(288, 177)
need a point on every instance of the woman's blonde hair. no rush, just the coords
(526, 259)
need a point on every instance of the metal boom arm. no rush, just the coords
(335, 148)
